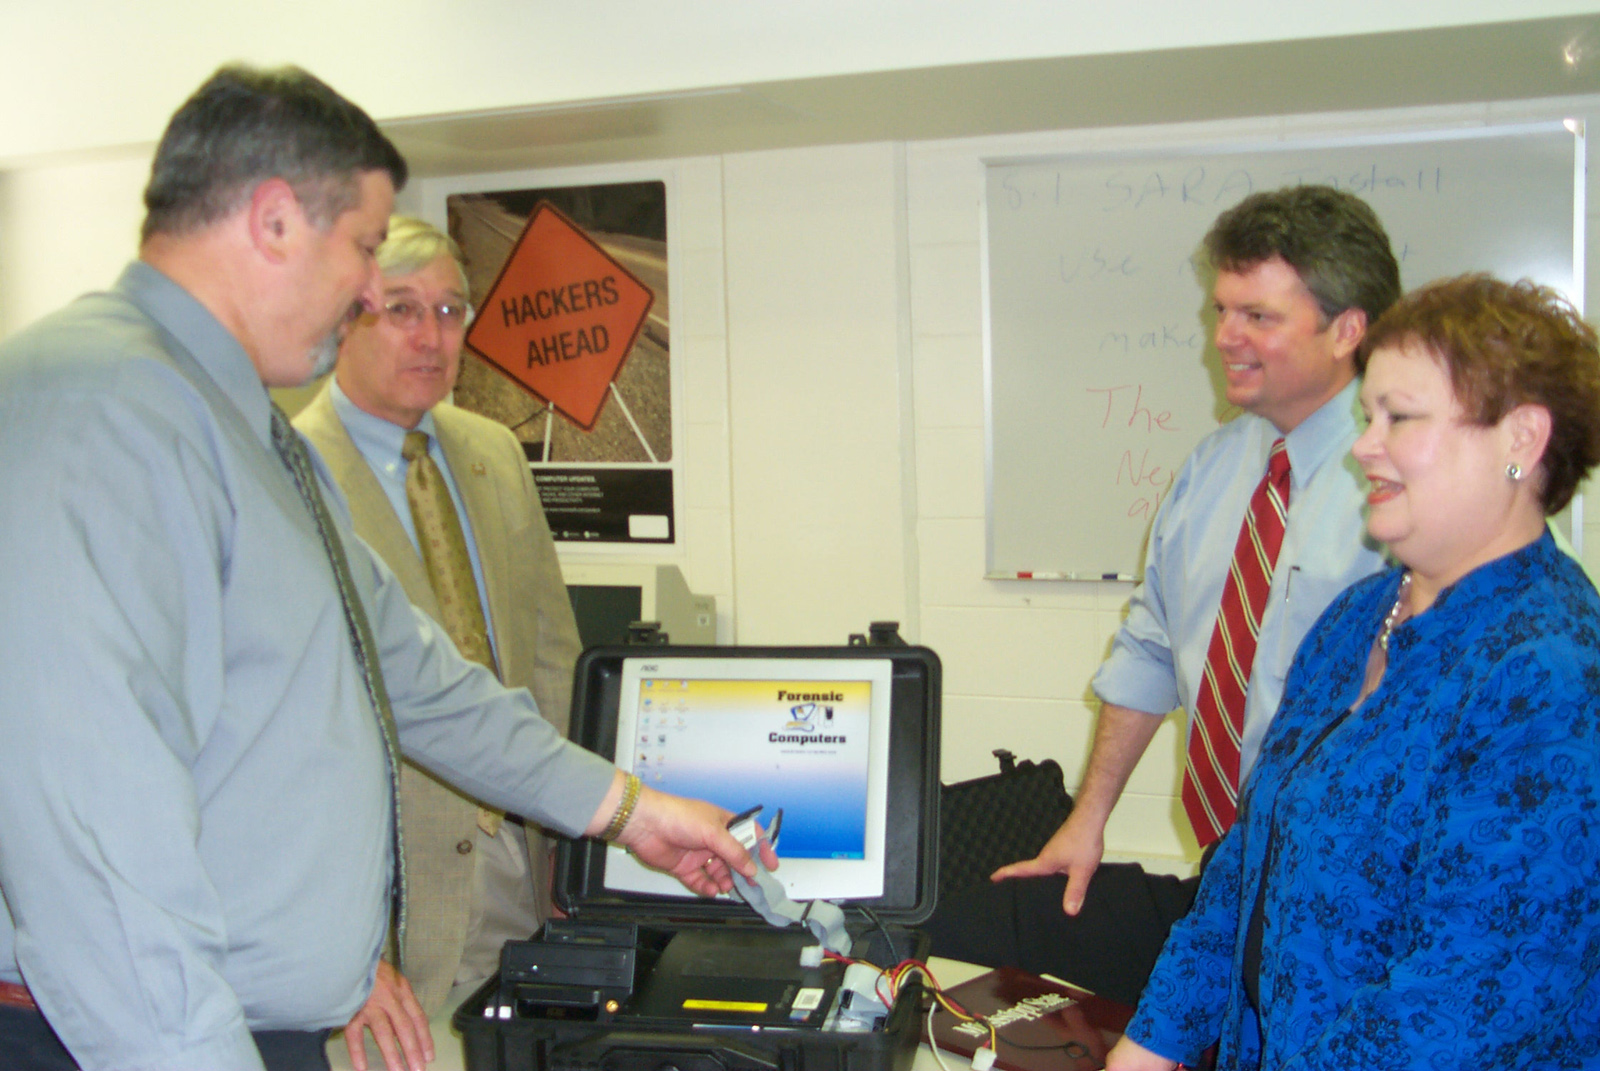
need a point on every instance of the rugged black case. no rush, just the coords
(883, 928)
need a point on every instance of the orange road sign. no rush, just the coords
(562, 316)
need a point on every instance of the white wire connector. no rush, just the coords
(933, 1042)
(811, 956)
(983, 1059)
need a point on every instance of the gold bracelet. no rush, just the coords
(630, 799)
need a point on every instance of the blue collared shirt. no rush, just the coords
(379, 442)
(194, 811)
(1159, 654)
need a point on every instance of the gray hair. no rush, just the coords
(413, 244)
(246, 125)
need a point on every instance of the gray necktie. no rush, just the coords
(293, 451)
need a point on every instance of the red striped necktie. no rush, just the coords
(1211, 777)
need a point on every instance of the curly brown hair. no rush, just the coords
(1504, 345)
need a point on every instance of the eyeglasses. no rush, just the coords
(407, 314)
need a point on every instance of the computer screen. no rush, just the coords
(603, 612)
(607, 597)
(805, 735)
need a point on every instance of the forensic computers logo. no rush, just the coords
(809, 717)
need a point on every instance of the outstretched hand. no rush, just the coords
(397, 1022)
(1074, 850)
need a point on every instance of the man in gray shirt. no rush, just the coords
(196, 811)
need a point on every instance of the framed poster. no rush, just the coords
(571, 348)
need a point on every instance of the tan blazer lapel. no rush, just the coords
(370, 509)
(536, 638)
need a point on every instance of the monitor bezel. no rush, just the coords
(911, 806)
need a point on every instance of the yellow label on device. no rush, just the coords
(725, 1005)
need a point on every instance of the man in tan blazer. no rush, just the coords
(474, 879)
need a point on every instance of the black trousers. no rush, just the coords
(28, 1044)
(1109, 947)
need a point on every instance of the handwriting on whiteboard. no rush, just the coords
(1125, 408)
(1208, 187)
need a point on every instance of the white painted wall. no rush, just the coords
(814, 337)
(65, 230)
(78, 74)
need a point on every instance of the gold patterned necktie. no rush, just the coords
(444, 552)
(293, 452)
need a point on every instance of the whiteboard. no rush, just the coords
(1101, 375)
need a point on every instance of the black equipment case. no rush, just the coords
(633, 981)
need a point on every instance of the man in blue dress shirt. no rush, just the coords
(196, 818)
(1300, 273)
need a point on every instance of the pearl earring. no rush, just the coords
(1513, 472)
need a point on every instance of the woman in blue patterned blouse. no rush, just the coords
(1414, 879)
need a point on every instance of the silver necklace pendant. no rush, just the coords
(1393, 617)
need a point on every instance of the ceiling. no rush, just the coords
(1453, 65)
